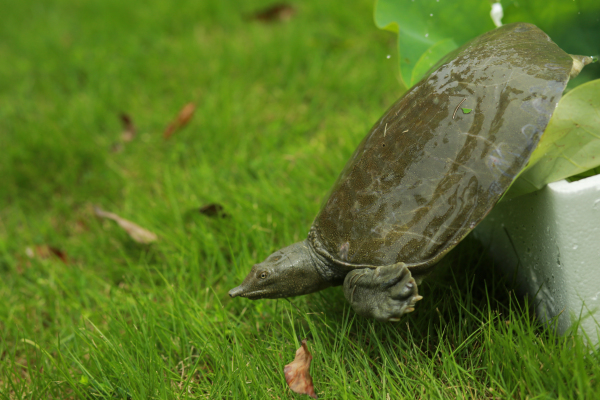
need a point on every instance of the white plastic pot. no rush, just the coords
(551, 240)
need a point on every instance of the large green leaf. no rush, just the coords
(570, 144)
(573, 25)
(430, 57)
(423, 24)
(428, 29)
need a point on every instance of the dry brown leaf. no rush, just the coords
(182, 119)
(128, 128)
(276, 12)
(213, 210)
(297, 373)
(44, 251)
(136, 232)
(59, 253)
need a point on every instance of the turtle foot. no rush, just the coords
(383, 293)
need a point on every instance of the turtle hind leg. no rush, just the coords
(384, 293)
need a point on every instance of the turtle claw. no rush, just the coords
(384, 293)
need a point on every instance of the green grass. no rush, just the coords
(280, 107)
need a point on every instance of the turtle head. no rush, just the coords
(287, 272)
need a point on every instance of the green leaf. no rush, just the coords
(570, 144)
(573, 25)
(84, 380)
(466, 110)
(429, 58)
(423, 24)
(428, 29)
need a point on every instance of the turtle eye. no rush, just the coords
(263, 275)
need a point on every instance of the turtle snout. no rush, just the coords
(236, 291)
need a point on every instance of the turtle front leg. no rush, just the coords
(383, 293)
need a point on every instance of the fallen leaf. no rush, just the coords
(128, 128)
(136, 232)
(213, 210)
(44, 251)
(466, 110)
(182, 119)
(297, 373)
(276, 12)
(59, 253)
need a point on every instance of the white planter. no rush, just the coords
(551, 238)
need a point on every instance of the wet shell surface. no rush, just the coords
(428, 172)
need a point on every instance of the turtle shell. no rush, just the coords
(428, 172)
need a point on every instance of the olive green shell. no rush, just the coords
(427, 173)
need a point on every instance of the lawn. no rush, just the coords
(87, 312)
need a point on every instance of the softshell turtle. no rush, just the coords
(425, 175)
